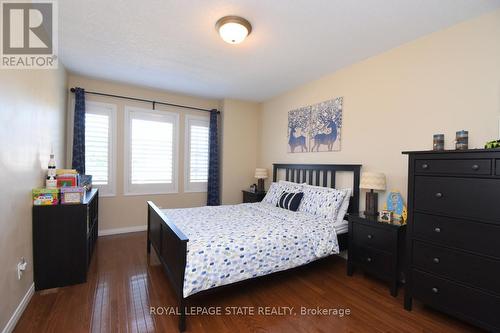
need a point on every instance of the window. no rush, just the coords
(150, 151)
(100, 124)
(196, 154)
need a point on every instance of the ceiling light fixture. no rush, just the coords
(233, 29)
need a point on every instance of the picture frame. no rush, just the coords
(385, 216)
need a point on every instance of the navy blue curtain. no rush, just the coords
(78, 162)
(213, 186)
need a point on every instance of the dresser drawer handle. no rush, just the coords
(475, 167)
(438, 195)
(369, 259)
(437, 229)
(435, 290)
(425, 166)
(436, 260)
(370, 236)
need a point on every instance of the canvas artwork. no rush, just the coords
(315, 128)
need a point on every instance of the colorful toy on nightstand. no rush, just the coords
(71, 195)
(396, 204)
(67, 177)
(45, 197)
(67, 181)
(85, 181)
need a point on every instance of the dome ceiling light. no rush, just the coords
(233, 29)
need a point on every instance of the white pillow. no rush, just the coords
(345, 205)
(276, 189)
(291, 185)
(322, 201)
(272, 194)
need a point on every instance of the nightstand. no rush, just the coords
(377, 248)
(253, 196)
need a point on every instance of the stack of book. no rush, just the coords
(66, 177)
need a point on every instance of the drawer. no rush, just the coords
(454, 167)
(459, 266)
(462, 197)
(467, 303)
(463, 234)
(377, 262)
(377, 238)
(253, 197)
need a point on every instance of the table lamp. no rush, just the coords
(373, 181)
(260, 174)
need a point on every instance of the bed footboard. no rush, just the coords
(170, 245)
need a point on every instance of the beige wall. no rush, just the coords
(240, 135)
(32, 114)
(129, 211)
(396, 101)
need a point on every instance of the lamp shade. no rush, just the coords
(373, 181)
(260, 173)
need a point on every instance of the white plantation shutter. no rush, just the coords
(151, 151)
(100, 123)
(152, 155)
(198, 154)
(196, 173)
(97, 147)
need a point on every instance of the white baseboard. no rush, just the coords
(11, 324)
(117, 231)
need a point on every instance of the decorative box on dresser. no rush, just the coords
(454, 234)
(64, 237)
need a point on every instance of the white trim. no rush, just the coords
(109, 110)
(104, 195)
(11, 324)
(142, 189)
(148, 192)
(125, 230)
(188, 186)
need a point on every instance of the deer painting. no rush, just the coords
(326, 139)
(326, 124)
(294, 142)
(298, 119)
(315, 127)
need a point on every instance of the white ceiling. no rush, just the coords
(173, 45)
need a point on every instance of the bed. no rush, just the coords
(206, 248)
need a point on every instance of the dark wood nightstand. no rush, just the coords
(253, 196)
(377, 248)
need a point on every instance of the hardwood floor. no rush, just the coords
(122, 287)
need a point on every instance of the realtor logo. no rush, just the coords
(29, 34)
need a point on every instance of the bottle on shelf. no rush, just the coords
(51, 181)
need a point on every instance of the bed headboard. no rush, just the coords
(323, 175)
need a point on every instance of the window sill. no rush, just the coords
(131, 194)
(105, 190)
(106, 195)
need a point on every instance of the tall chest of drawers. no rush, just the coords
(453, 234)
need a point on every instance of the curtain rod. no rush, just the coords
(145, 100)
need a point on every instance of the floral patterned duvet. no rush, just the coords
(233, 243)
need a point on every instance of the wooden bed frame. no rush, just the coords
(170, 244)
